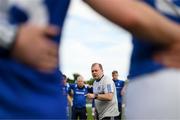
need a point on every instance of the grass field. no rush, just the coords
(90, 117)
(89, 112)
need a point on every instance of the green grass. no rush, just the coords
(89, 113)
(90, 117)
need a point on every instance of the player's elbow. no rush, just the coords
(109, 99)
(109, 96)
(130, 23)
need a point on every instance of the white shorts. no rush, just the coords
(155, 96)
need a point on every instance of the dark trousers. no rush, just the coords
(120, 110)
(79, 112)
(110, 118)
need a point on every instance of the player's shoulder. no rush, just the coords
(72, 85)
(86, 86)
(120, 80)
(107, 79)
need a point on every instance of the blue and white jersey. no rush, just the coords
(66, 88)
(79, 95)
(141, 60)
(119, 85)
(26, 92)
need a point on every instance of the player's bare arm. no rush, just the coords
(146, 23)
(138, 18)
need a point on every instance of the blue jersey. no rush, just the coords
(26, 92)
(141, 60)
(79, 95)
(119, 85)
(66, 88)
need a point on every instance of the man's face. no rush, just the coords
(115, 76)
(97, 72)
(80, 83)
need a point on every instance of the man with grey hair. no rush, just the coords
(104, 93)
(79, 99)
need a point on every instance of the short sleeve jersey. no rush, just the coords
(105, 108)
(79, 95)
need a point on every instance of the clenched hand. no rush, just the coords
(35, 49)
(169, 57)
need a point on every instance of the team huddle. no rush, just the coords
(106, 95)
(30, 34)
